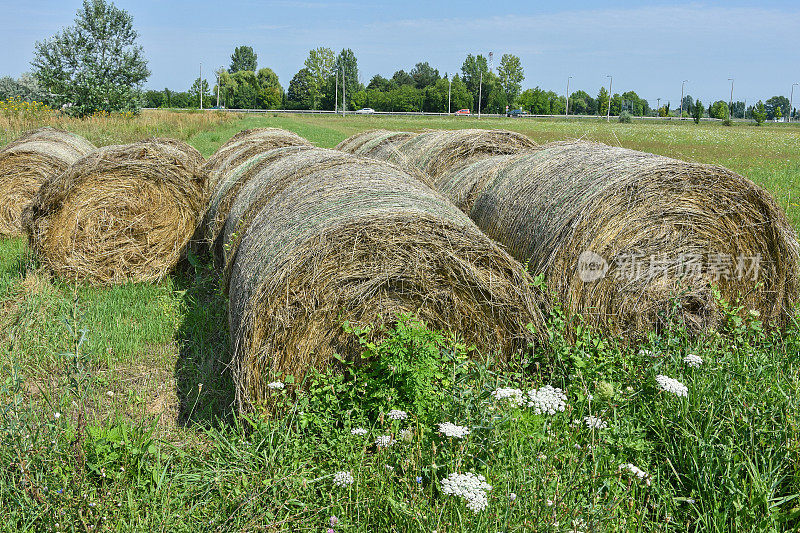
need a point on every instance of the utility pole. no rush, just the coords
(218, 73)
(611, 81)
(658, 105)
(791, 99)
(344, 92)
(682, 83)
(201, 86)
(566, 113)
(449, 86)
(480, 95)
(730, 105)
(336, 101)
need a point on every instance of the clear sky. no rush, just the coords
(647, 47)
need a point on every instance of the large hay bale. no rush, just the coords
(372, 143)
(243, 146)
(555, 207)
(329, 238)
(121, 213)
(26, 163)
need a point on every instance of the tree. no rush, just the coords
(380, 83)
(580, 103)
(773, 104)
(401, 77)
(471, 71)
(511, 75)
(243, 58)
(194, 94)
(270, 92)
(759, 113)
(778, 114)
(698, 112)
(95, 64)
(602, 101)
(719, 109)
(346, 68)
(299, 93)
(320, 64)
(424, 75)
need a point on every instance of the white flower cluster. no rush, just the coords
(547, 400)
(672, 385)
(594, 422)
(398, 414)
(647, 353)
(514, 396)
(636, 471)
(384, 441)
(275, 385)
(472, 487)
(343, 478)
(693, 360)
(358, 431)
(451, 430)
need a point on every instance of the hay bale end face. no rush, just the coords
(122, 213)
(337, 238)
(26, 163)
(621, 235)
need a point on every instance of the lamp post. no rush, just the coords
(480, 94)
(791, 99)
(201, 86)
(682, 84)
(449, 86)
(610, 82)
(566, 113)
(730, 104)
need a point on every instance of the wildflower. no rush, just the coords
(407, 434)
(110, 393)
(397, 414)
(330, 530)
(419, 480)
(384, 441)
(342, 479)
(512, 496)
(636, 471)
(647, 353)
(541, 457)
(276, 385)
(693, 360)
(672, 385)
(358, 431)
(56, 415)
(451, 430)
(549, 502)
(472, 487)
(389, 468)
(547, 400)
(514, 396)
(594, 422)
(333, 521)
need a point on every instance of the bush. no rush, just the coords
(625, 117)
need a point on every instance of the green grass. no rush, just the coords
(146, 438)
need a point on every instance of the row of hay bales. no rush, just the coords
(567, 206)
(307, 238)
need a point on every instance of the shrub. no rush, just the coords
(625, 117)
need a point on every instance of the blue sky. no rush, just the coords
(647, 47)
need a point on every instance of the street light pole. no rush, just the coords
(791, 99)
(566, 113)
(201, 86)
(449, 86)
(610, 82)
(730, 105)
(480, 94)
(682, 83)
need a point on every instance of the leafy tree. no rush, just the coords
(697, 113)
(471, 71)
(719, 109)
(346, 68)
(580, 103)
(320, 65)
(243, 58)
(380, 83)
(778, 114)
(299, 93)
(738, 110)
(511, 75)
(270, 92)
(459, 94)
(759, 113)
(95, 64)
(424, 75)
(401, 77)
(688, 104)
(773, 104)
(602, 101)
(194, 94)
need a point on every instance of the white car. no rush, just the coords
(366, 111)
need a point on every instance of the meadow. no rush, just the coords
(116, 404)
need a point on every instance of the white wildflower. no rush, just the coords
(56, 415)
(647, 353)
(110, 393)
(672, 385)
(472, 487)
(594, 422)
(547, 400)
(514, 396)
(389, 468)
(693, 360)
(384, 441)
(512, 496)
(343, 478)
(276, 385)
(407, 434)
(397, 414)
(358, 431)
(451, 430)
(636, 471)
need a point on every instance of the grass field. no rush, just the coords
(115, 403)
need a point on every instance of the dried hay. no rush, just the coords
(242, 147)
(338, 238)
(550, 206)
(121, 213)
(29, 161)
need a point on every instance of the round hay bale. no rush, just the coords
(360, 241)
(623, 236)
(243, 146)
(371, 143)
(435, 152)
(26, 163)
(122, 213)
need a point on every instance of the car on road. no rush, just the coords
(462, 112)
(365, 111)
(516, 113)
